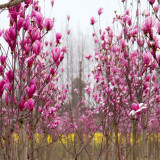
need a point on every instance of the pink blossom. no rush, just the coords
(58, 37)
(88, 57)
(31, 90)
(21, 104)
(123, 43)
(68, 31)
(100, 11)
(148, 77)
(20, 23)
(151, 1)
(52, 71)
(2, 59)
(52, 2)
(1, 69)
(92, 21)
(56, 53)
(27, 2)
(48, 24)
(37, 47)
(148, 24)
(46, 43)
(147, 57)
(8, 86)
(10, 76)
(135, 106)
(50, 43)
(68, 17)
(76, 90)
(38, 18)
(52, 110)
(2, 86)
(110, 114)
(29, 104)
(156, 8)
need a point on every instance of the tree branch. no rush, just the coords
(11, 3)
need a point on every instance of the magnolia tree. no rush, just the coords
(30, 95)
(126, 88)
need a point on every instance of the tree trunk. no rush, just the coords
(24, 141)
(107, 147)
(145, 144)
(134, 136)
(117, 151)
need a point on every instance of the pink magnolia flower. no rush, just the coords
(10, 35)
(100, 11)
(52, 110)
(1, 69)
(21, 104)
(88, 57)
(148, 24)
(37, 46)
(39, 18)
(8, 86)
(68, 17)
(76, 90)
(2, 59)
(56, 53)
(2, 86)
(156, 8)
(58, 37)
(68, 31)
(52, 71)
(151, 1)
(52, 2)
(135, 106)
(27, 2)
(147, 57)
(92, 21)
(35, 34)
(20, 23)
(48, 24)
(31, 90)
(29, 104)
(46, 43)
(10, 76)
(50, 43)
(123, 43)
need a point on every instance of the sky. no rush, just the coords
(80, 12)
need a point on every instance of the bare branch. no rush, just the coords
(11, 3)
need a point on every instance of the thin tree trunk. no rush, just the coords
(157, 147)
(134, 134)
(8, 143)
(145, 144)
(24, 141)
(117, 151)
(107, 147)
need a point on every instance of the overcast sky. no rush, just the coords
(80, 12)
